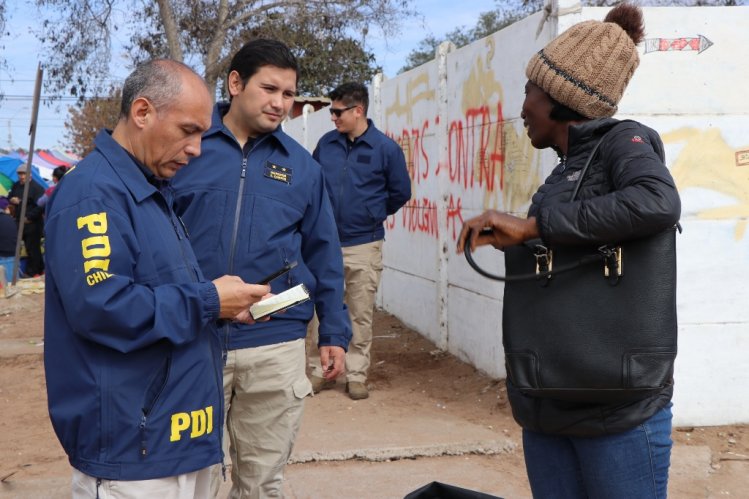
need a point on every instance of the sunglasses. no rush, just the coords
(338, 112)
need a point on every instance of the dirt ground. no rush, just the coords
(400, 356)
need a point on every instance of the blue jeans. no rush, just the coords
(632, 464)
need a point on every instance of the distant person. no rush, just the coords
(8, 231)
(367, 180)
(254, 202)
(132, 358)
(57, 174)
(33, 227)
(592, 447)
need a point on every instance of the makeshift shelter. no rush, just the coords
(9, 166)
(67, 156)
(52, 159)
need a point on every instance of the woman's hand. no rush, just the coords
(496, 228)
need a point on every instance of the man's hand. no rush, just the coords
(236, 296)
(15, 200)
(496, 228)
(333, 361)
(245, 316)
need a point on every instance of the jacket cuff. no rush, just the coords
(334, 340)
(211, 302)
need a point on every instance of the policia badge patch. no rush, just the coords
(276, 172)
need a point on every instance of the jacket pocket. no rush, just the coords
(376, 212)
(152, 397)
(206, 219)
(302, 388)
(272, 224)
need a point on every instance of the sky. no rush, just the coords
(22, 49)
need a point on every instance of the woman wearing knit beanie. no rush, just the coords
(595, 448)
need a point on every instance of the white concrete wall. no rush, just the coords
(457, 120)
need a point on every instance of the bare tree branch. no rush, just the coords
(77, 35)
(170, 29)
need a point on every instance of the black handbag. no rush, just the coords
(595, 325)
(437, 490)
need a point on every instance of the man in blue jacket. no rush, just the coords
(254, 202)
(131, 355)
(367, 180)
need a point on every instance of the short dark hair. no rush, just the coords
(59, 172)
(158, 80)
(560, 112)
(351, 93)
(261, 52)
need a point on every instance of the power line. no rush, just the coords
(49, 98)
(100, 80)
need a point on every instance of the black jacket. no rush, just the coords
(8, 235)
(627, 193)
(33, 212)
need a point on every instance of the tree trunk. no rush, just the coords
(170, 29)
(211, 59)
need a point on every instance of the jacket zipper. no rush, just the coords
(147, 410)
(344, 177)
(143, 450)
(237, 211)
(286, 262)
(233, 243)
(219, 372)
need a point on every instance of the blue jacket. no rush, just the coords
(132, 359)
(367, 181)
(251, 212)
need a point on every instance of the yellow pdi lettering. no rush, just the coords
(95, 246)
(101, 264)
(96, 223)
(180, 422)
(199, 423)
(95, 249)
(97, 277)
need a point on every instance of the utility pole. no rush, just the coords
(24, 202)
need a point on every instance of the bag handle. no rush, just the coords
(603, 251)
(590, 258)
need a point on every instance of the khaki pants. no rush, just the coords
(264, 391)
(195, 485)
(362, 266)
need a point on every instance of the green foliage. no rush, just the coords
(327, 54)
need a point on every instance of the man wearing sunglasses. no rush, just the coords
(367, 180)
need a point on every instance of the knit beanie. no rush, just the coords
(587, 67)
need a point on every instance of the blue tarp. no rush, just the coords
(9, 165)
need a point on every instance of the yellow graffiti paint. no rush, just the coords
(707, 161)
